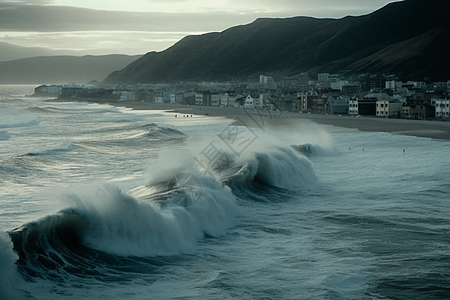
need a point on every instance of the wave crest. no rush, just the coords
(281, 168)
(8, 275)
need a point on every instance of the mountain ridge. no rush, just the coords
(300, 44)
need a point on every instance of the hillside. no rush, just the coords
(61, 69)
(413, 30)
(10, 52)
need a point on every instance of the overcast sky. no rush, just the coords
(140, 26)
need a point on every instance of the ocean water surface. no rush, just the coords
(110, 203)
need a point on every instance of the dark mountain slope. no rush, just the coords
(425, 56)
(290, 46)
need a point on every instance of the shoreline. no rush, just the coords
(437, 130)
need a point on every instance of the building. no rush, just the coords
(199, 99)
(393, 85)
(239, 101)
(307, 101)
(71, 91)
(189, 98)
(406, 111)
(442, 108)
(179, 98)
(173, 98)
(388, 109)
(319, 105)
(158, 96)
(367, 107)
(286, 102)
(215, 99)
(323, 77)
(48, 90)
(225, 100)
(249, 102)
(351, 88)
(128, 96)
(422, 111)
(265, 79)
(338, 105)
(353, 106)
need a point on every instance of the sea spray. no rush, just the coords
(117, 223)
(281, 168)
(9, 281)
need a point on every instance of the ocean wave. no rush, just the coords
(8, 270)
(109, 220)
(45, 110)
(11, 118)
(19, 124)
(4, 135)
(52, 151)
(158, 132)
(150, 131)
(280, 167)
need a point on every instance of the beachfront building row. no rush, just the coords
(407, 103)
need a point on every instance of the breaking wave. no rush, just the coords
(281, 168)
(11, 118)
(8, 273)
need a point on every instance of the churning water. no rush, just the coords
(108, 203)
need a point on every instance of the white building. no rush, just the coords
(442, 108)
(249, 102)
(388, 108)
(225, 100)
(48, 89)
(393, 85)
(353, 106)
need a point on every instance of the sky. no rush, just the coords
(140, 26)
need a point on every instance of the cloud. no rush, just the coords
(15, 3)
(96, 42)
(46, 23)
(317, 8)
(51, 18)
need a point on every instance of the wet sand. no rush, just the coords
(438, 130)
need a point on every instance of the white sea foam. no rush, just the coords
(120, 224)
(9, 280)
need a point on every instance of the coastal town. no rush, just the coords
(381, 96)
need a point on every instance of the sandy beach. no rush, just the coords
(437, 130)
